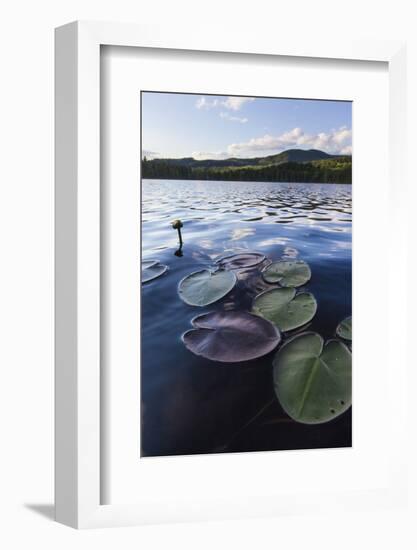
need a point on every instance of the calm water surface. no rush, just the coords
(192, 405)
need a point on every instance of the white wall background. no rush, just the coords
(26, 273)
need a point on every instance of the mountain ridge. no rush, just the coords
(289, 155)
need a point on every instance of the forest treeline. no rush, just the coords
(331, 169)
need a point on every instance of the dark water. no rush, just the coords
(192, 405)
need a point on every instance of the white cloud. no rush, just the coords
(226, 116)
(204, 103)
(232, 103)
(203, 155)
(236, 103)
(334, 142)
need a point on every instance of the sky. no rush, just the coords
(214, 126)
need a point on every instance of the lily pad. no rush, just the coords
(239, 261)
(284, 308)
(151, 269)
(231, 336)
(313, 381)
(344, 329)
(149, 263)
(206, 287)
(288, 273)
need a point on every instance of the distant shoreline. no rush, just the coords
(292, 166)
(249, 181)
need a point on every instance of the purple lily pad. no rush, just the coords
(231, 336)
(239, 261)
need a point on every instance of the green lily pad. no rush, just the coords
(313, 381)
(151, 269)
(206, 287)
(231, 336)
(344, 329)
(284, 308)
(288, 273)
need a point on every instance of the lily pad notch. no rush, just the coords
(286, 309)
(231, 336)
(205, 287)
(288, 273)
(313, 380)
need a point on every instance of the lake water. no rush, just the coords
(191, 405)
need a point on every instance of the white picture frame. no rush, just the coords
(78, 266)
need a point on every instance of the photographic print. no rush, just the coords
(246, 274)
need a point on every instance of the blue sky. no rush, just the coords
(214, 126)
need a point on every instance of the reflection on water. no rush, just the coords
(191, 405)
